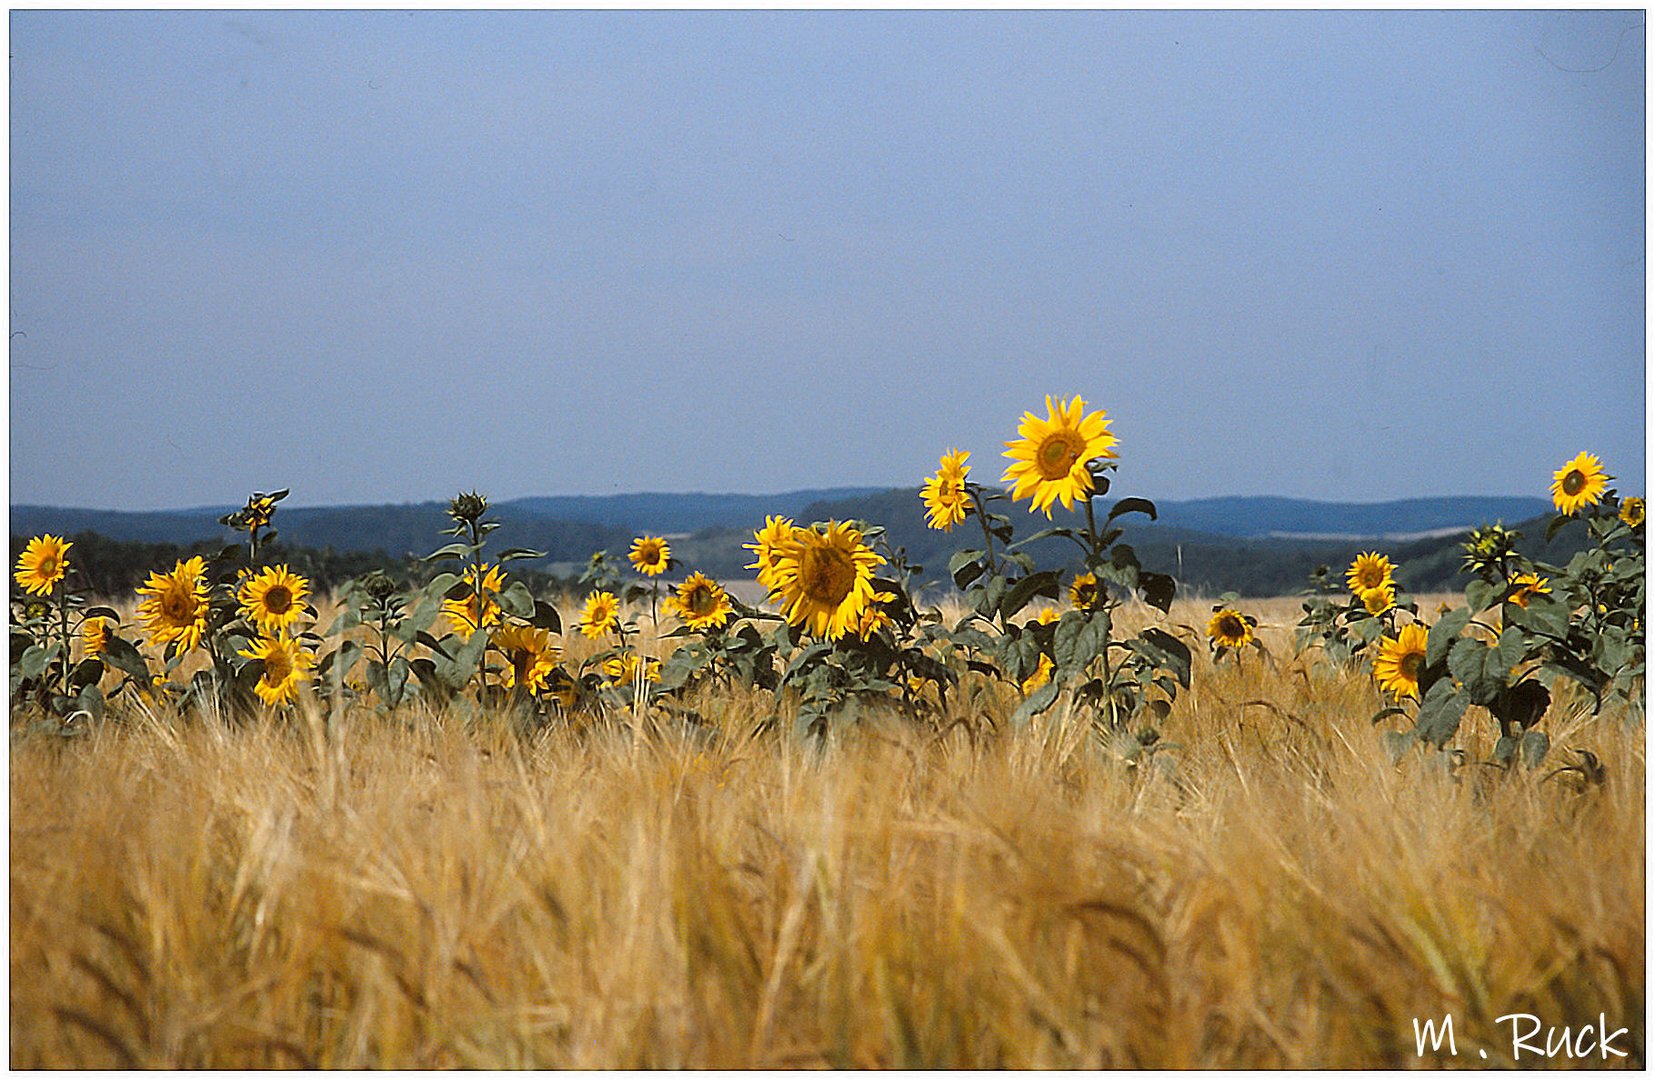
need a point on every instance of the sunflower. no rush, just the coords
(1083, 591)
(767, 549)
(530, 653)
(874, 617)
(273, 598)
(1050, 456)
(1046, 616)
(701, 603)
(1229, 629)
(174, 608)
(1042, 675)
(43, 563)
(946, 501)
(1379, 600)
(650, 555)
(463, 616)
(1578, 483)
(1528, 585)
(600, 614)
(623, 669)
(286, 665)
(1400, 659)
(1370, 570)
(94, 634)
(1632, 512)
(824, 579)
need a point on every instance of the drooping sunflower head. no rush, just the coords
(946, 500)
(1380, 600)
(1229, 629)
(1529, 584)
(1050, 456)
(1400, 660)
(1632, 512)
(824, 578)
(1371, 570)
(174, 606)
(530, 656)
(875, 617)
(274, 598)
(1579, 483)
(650, 555)
(467, 615)
(44, 561)
(287, 663)
(94, 635)
(1083, 591)
(767, 547)
(600, 614)
(702, 603)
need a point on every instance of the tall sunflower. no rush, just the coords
(767, 547)
(273, 599)
(1378, 600)
(1050, 456)
(1229, 629)
(1400, 660)
(650, 555)
(701, 603)
(1370, 570)
(530, 656)
(174, 606)
(43, 563)
(463, 614)
(825, 578)
(600, 615)
(946, 501)
(287, 663)
(1579, 483)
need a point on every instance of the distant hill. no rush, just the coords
(1252, 545)
(659, 512)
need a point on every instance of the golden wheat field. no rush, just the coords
(343, 889)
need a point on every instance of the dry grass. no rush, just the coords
(431, 891)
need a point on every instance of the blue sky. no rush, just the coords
(382, 256)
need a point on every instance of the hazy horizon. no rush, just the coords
(380, 257)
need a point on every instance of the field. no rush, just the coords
(443, 888)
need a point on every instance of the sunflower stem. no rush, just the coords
(63, 625)
(982, 519)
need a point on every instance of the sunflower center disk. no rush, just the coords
(701, 601)
(1057, 455)
(178, 606)
(276, 668)
(278, 600)
(1230, 627)
(1409, 665)
(828, 576)
(1574, 483)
